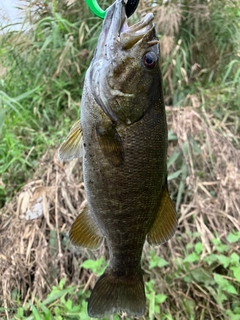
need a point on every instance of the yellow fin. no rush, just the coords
(165, 224)
(84, 231)
(71, 148)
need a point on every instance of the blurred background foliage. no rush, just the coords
(42, 69)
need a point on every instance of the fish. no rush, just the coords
(122, 137)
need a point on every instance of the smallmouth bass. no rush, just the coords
(122, 137)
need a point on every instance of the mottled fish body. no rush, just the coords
(123, 133)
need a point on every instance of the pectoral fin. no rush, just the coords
(84, 231)
(111, 144)
(165, 224)
(71, 148)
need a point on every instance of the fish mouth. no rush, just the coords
(129, 36)
(116, 26)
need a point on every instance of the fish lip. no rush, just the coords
(140, 27)
(130, 35)
(118, 28)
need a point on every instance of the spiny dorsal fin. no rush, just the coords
(71, 148)
(165, 223)
(84, 231)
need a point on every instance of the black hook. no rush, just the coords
(131, 6)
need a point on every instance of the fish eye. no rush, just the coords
(149, 60)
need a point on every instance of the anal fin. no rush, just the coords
(165, 223)
(84, 231)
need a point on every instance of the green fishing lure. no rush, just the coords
(96, 9)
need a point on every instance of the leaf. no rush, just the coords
(160, 298)
(171, 136)
(88, 264)
(201, 276)
(220, 247)
(156, 261)
(229, 69)
(216, 241)
(35, 312)
(220, 297)
(198, 247)
(174, 175)
(190, 306)
(83, 315)
(2, 114)
(150, 286)
(234, 258)
(97, 266)
(46, 311)
(233, 316)
(236, 272)
(233, 237)
(62, 283)
(173, 158)
(224, 284)
(195, 146)
(223, 260)
(57, 312)
(55, 295)
(20, 313)
(193, 257)
(187, 279)
(69, 304)
(223, 248)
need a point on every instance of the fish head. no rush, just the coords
(125, 74)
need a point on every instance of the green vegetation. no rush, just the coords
(196, 275)
(44, 72)
(68, 302)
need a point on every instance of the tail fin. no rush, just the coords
(112, 294)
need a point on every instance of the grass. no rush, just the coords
(196, 275)
(44, 72)
(24, 139)
(197, 271)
